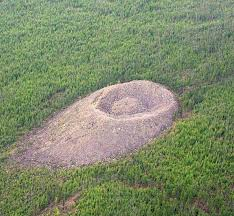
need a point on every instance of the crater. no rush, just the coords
(109, 123)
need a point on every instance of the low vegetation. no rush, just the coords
(55, 51)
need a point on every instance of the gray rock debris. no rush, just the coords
(106, 124)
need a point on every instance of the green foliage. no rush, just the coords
(53, 51)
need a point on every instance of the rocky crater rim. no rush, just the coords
(132, 98)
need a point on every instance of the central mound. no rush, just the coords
(128, 105)
(110, 122)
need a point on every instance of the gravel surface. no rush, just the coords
(104, 125)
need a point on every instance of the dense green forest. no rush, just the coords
(55, 51)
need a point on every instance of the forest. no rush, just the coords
(53, 52)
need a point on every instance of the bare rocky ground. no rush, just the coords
(106, 124)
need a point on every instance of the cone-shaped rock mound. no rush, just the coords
(110, 122)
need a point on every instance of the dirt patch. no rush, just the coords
(201, 205)
(108, 123)
(63, 207)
